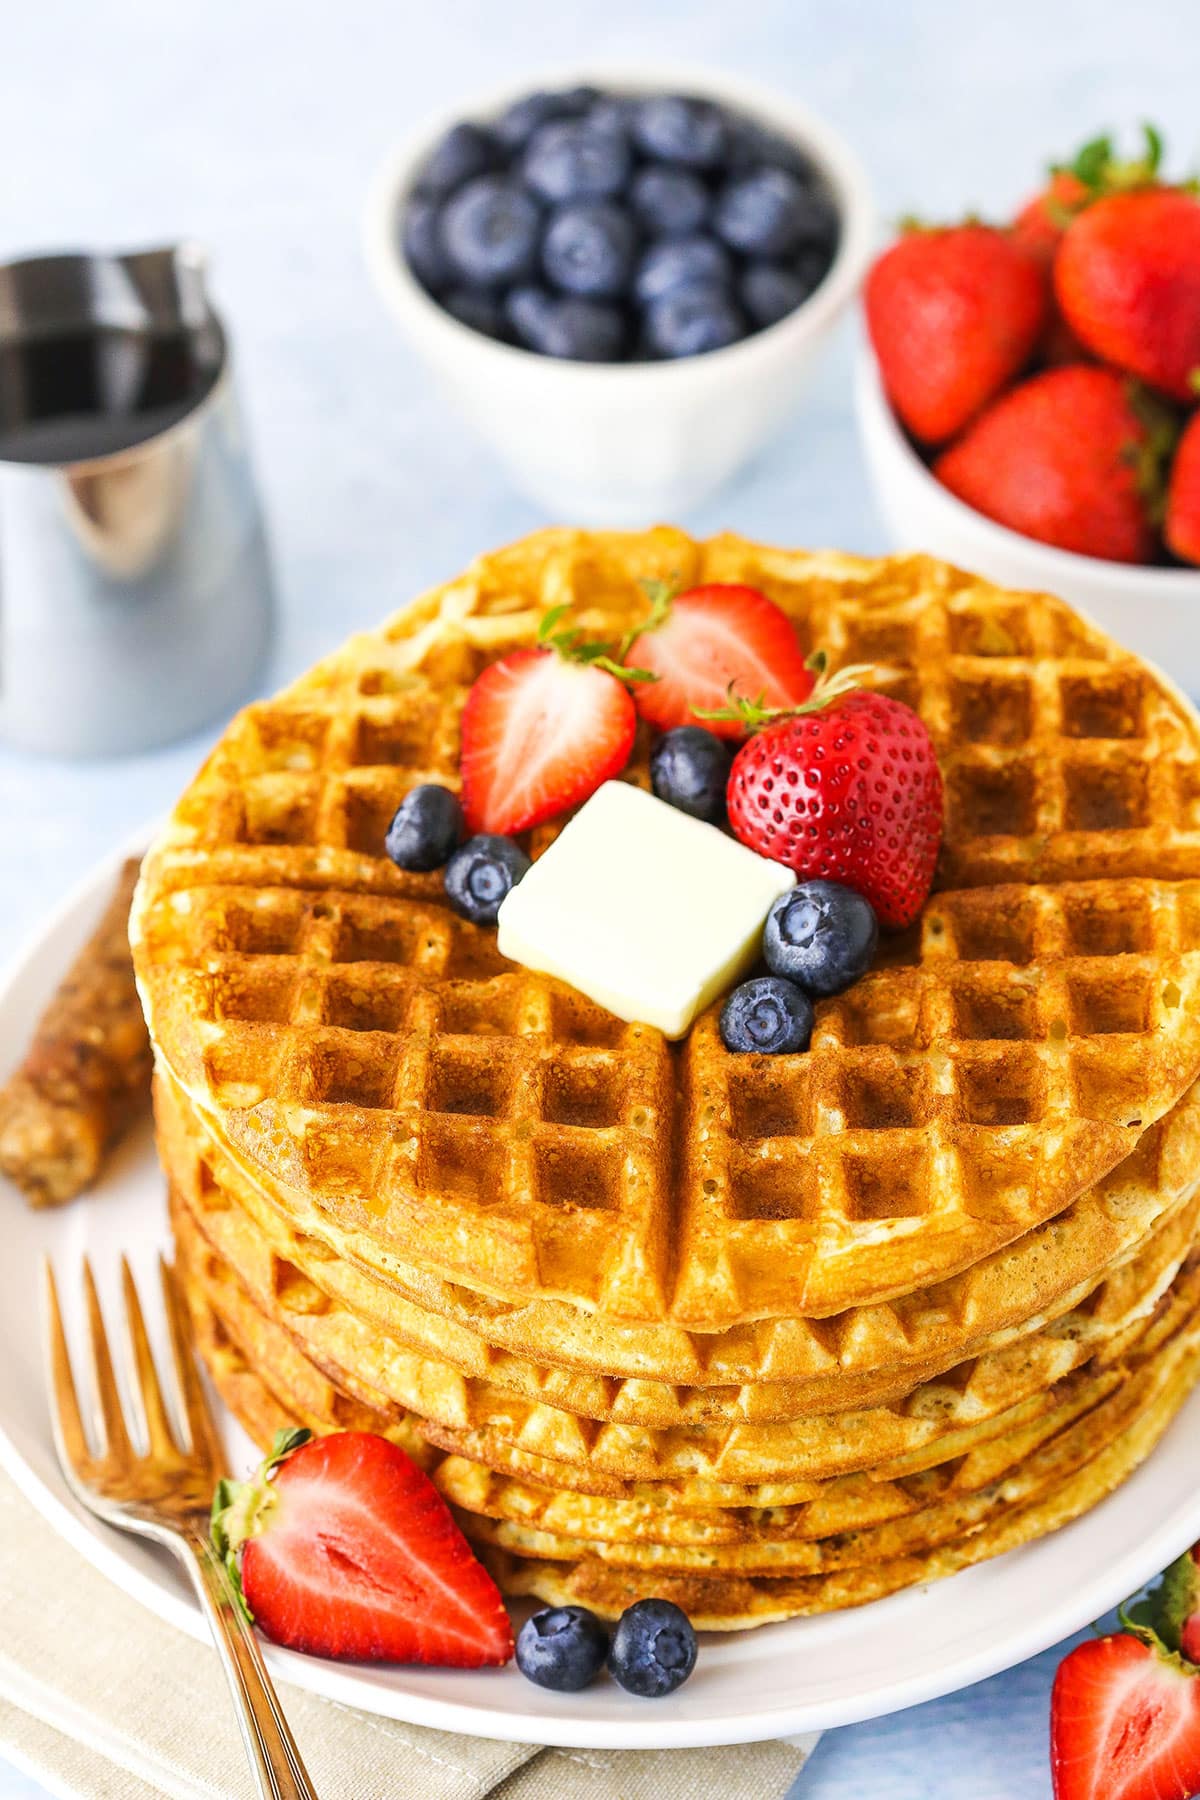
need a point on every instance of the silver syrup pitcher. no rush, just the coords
(136, 598)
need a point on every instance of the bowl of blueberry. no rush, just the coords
(622, 284)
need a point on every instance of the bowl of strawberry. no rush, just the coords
(596, 271)
(1029, 401)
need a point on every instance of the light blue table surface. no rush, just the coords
(255, 127)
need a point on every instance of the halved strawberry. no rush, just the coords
(348, 1550)
(712, 644)
(541, 731)
(1125, 1711)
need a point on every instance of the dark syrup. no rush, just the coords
(70, 396)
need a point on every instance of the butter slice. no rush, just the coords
(648, 912)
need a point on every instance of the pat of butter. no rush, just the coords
(648, 912)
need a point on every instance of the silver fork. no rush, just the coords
(165, 1495)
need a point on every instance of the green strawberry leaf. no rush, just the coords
(240, 1510)
(572, 646)
(1158, 1618)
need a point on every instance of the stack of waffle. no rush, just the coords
(764, 1335)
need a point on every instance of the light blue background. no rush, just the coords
(255, 125)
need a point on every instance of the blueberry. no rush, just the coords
(425, 829)
(691, 321)
(490, 232)
(822, 936)
(768, 1015)
(569, 160)
(770, 213)
(465, 152)
(478, 309)
(679, 130)
(421, 240)
(689, 769)
(562, 1648)
(754, 146)
(769, 291)
(575, 330)
(588, 249)
(518, 122)
(653, 1649)
(612, 113)
(668, 202)
(675, 263)
(480, 874)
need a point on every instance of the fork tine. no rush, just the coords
(116, 1437)
(199, 1419)
(158, 1426)
(71, 1435)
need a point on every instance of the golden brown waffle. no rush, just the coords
(300, 1272)
(455, 1411)
(1073, 1472)
(373, 1057)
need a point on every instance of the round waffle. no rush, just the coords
(373, 1057)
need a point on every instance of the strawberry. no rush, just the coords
(845, 787)
(348, 1550)
(1181, 526)
(709, 644)
(1127, 276)
(953, 315)
(1125, 1711)
(542, 729)
(1040, 224)
(1124, 1724)
(1069, 457)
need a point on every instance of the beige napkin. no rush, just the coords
(101, 1700)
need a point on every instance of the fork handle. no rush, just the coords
(270, 1746)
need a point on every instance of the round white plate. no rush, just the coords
(782, 1679)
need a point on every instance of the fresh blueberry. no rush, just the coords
(425, 830)
(668, 202)
(569, 160)
(562, 1648)
(588, 249)
(769, 291)
(689, 769)
(675, 263)
(490, 232)
(767, 1015)
(769, 213)
(421, 239)
(822, 936)
(465, 152)
(575, 330)
(480, 874)
(691, 321)
(653, 1649)
(753, 146)
(679, 130)
(478, 309)
(611, 113)
(518, 122)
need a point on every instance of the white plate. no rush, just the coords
(801, 1676)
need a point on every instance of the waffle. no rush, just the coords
(847, 1555)
(375, 1059)
(1145, 1196)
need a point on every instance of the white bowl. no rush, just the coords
(1155, 612)
(621, 443)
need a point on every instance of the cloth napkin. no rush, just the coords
(99, 1699)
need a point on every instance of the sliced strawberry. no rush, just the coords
(539, 734)
(348, 1550)
(712, 643)
(1124, 1724)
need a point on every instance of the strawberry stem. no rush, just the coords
(754, 714)
(240, 1510)
(1096, 165)
(572, 646)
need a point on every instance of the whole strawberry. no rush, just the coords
(1127, 276)
(1069, 457)
(1041, 222)
(1181, 526)
(845, 788)
(953, 315)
